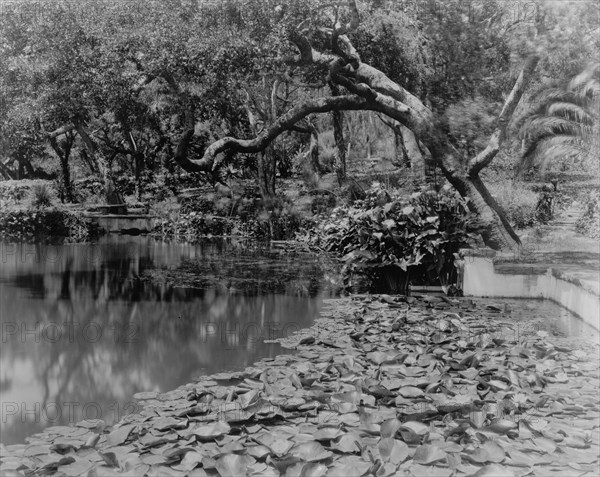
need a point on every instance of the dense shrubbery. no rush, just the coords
(589, 223)
(34, 224)
(41, 196)
(275, 219)
(89, 190)
(389, 242)
(194, 225)
(518, 201)
(14, 192)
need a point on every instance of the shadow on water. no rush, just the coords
(84, 327)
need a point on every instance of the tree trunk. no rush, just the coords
(314, 151)
(64, 152)
(401, 158)
(89, 161)
(498, 233)
(25, 168)
(139, 167)
(266, 173)
(111, 194)
(6, 172)
(340, 142)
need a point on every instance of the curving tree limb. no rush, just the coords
(359, 86)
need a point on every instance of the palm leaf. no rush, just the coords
(554, 149)
(558, 95)
(540, 126)
(570, 111)
(588, 78)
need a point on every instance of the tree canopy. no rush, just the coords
(209, 84)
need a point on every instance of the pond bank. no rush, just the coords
(383, 385)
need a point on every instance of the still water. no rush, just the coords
(86, 326)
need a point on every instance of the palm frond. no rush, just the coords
(570, 111)
(587, 84)
(589, 75)
(554, 149)
(563, 128)
(559, 95)
(539, 126)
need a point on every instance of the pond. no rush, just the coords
(86, 326)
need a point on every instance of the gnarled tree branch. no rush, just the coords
(285, 122)
(485, 157)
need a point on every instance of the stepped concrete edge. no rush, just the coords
(478, 277)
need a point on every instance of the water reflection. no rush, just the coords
(84, 327)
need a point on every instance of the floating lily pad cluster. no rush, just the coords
(380, 386)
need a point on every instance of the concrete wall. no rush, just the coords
(479, 278)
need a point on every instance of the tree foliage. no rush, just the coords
(563, 130)
(212, 85)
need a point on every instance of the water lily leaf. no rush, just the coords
(166, 423)
(497, 385)
(345, 408)
(175, 454)
(493, 470)
(477, 418)
(153, 459)
(152, 440)
(393, 450)
(77, 468)
(210, 432)
(410, 392)
(413, 432)
(502, 426)
(109, 458)
(348, 443)
(537, 424)
(413, 371)
(479, 456)
(230, 465)
(258, 452)
(390, 427)
(249, 398)
(61, 448)
(327, 434)
(545, 444)
(353, 397)
(278, 444)
(380, 357)
(119, 435)
(430, 471)
(190, 461)
(95, 424)
(428, 454)
(261, 469)
(578, 442)
(495, 452)
(145, 395)
(311, 451)
(520, 459)
(302, 469)
(307, 341)
(339, 469)
(92, 441)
